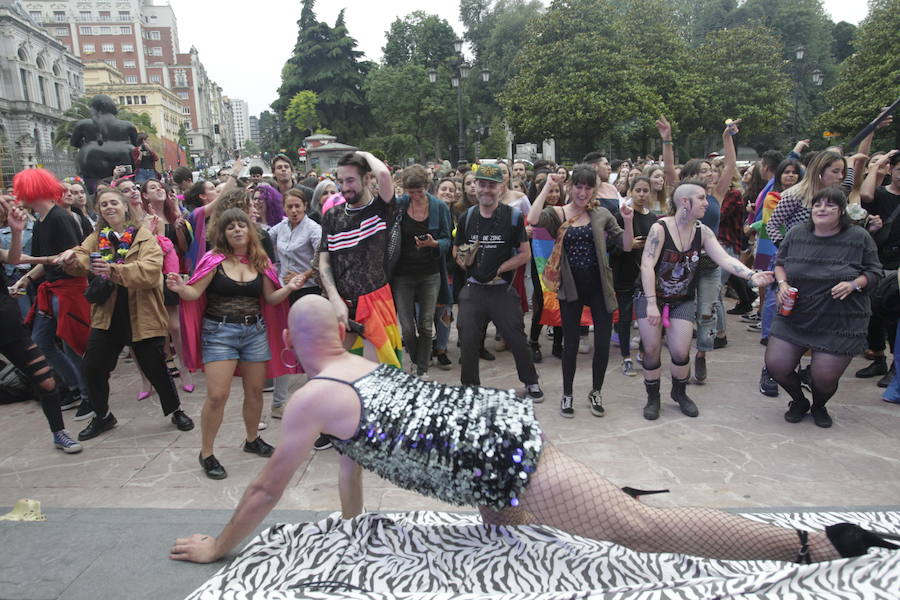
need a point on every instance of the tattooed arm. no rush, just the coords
(729, 263)
(652, 250)
(327, 279)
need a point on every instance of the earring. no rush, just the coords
(285, 363)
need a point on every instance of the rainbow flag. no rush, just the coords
(541, 248)
(376, 312)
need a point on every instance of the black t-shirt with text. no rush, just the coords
(499, 237)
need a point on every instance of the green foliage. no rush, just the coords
(325, 61)
(868, 79)
(842, 45)
(419, 38)
(405, 103)
(251, 148)
(495, 143)
(183, 143)
(268, 132)
(301, 112)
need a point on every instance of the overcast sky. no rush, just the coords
(224, 30)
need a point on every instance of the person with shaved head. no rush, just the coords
(476, 446)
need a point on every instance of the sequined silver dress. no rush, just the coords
(466, 445)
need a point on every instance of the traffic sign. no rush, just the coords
(301, 151)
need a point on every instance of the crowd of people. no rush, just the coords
(189, 275)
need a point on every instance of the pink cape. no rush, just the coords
(275, 317)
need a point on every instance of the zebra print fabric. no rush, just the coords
(427, 555)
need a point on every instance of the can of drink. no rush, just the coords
(95, 256)
(16, 292)
(788, 304)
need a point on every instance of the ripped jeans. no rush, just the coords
(710, 310)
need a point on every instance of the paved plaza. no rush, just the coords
(113, 509)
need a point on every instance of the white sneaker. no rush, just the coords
(534, 392)
(584, 345)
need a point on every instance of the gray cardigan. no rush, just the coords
(603, 225)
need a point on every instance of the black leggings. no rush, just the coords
(782, 358)
(590, 293)
(100, 360)
(23, 353)
(623, 327)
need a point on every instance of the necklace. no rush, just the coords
(113, 247)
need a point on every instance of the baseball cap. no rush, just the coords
(489, 172)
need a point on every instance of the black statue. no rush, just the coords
(103, 141)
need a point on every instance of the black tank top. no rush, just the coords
(675, 269)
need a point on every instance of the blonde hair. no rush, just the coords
(811, 184)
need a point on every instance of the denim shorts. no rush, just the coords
(233, 341)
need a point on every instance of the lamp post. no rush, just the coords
(801, 70)
(459, 71)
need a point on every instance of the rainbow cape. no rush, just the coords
(376, 312)
(541, 248)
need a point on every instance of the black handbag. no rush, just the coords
(392, 247)
(99, 290)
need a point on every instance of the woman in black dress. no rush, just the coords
(829, 262)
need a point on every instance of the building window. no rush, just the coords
(185, 110)
(105, 30)
(156, 51)
(87, 49)
(121, 99)
(127, 47)
(36, 15)
(25, 91)
(105, 16)
(181, 79)
(129, 64)
(59, 98)
(125, 30)
(155, 35)
(85, 30)
(124, 15)
(84, 15)
(183, 95)
(155, 79)
(131, 79)
(112, 63)
(62, 31)
(153, 18)
(128, 99)
(59, 16)
(143, 99)
(41, 90)
(108, 48)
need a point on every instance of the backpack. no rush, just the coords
(14, 385)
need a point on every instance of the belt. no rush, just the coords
(234, 319)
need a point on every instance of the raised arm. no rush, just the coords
(730, 169)
(879, 167)
(382, 176)
(537, 207)
(668, 153)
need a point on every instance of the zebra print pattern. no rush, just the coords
(427, 555)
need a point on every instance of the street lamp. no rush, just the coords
(801, 69)
(460, 70)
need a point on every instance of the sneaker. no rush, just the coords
(596, 403)
(423, 375)
(888, 377)
(483, 354)
(65, 443)
(182, 421)
(212, 467)
(262, 426)
(84, 411)
(755, 327)
(821, 416)
(444, 362)
(720, 342)
(740, 309)
(277, 412)
(796, 411)
(628, 368)
(584, 345)
(767, 385)
(534, 392)
(751, 318)
(269, 388)
(640, 359)
(557, 351)
(500, 345)
(323, 442)
(96, 427)
(69, 400)
(805, 375)
(566, 408)
(259, 447)
(614, 339)
(700, 369)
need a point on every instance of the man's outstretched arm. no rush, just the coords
(261, 496)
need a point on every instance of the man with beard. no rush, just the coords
(352, 254)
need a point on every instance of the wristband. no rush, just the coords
(667, 141)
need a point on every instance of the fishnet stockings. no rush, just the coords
(565, 494)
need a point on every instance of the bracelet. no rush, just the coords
(667, 141)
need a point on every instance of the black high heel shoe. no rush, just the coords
(852, 540)
(635, 492)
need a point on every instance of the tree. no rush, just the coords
(404, 102)
(301, 112)
(251, 148)
(842, 45)
(268, 132)
(325, 61)
(419, 38)
(868, 78)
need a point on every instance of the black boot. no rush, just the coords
(679, 395)
(876, 369)
(536, 355)
(889, 376)
(651, 409)
(852, 540)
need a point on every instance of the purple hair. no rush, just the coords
(274, 204)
